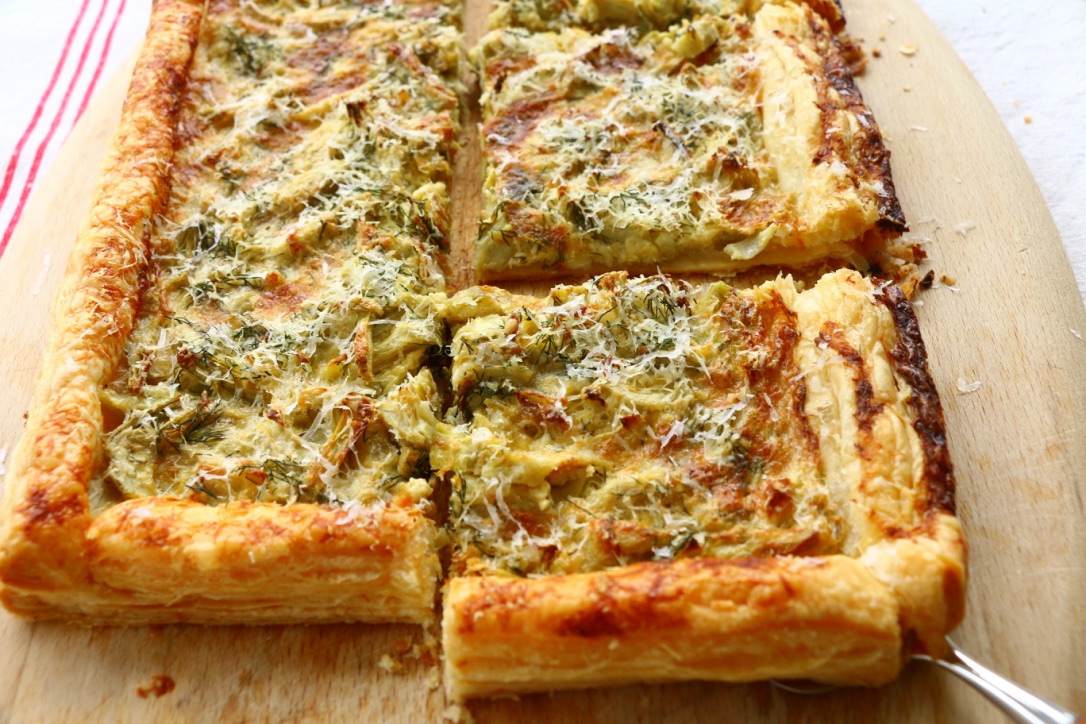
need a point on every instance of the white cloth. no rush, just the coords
(55, 53)
(1030, 58)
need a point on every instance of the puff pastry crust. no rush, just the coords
(232, 422)
(655, 482)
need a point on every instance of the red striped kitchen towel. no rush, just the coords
(54, 55)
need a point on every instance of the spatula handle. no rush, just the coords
(1021, 705)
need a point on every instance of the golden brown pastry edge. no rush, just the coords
(711, 619)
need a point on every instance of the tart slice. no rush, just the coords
(653, 481)
(234, 418)
(714, 145)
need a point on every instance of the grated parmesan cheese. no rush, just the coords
(625, 150)
(281, 352)
(601, 426)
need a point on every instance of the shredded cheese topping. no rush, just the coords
(281, 345)
(717, 142)
(625, 420)
(541, 15)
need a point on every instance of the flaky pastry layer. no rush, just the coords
(825, 618)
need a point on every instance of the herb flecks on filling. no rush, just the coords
(281, 346)
(631, 420)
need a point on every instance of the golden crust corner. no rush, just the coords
(927, 575)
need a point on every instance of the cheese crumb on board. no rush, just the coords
(966, 387)
(964, 228)
(46, 261)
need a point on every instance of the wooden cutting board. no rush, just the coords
(1014, 323)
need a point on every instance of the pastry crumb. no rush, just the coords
(425, 651)
(876, 53)
(389, 664)
(1028, 119)
(907, 89)
(160, 685)
(458, 714)
(908, 50)
(947, 279)
(966, 387)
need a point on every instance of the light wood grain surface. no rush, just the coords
(1019, 443)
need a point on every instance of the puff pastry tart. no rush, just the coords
(653, 481)
(243, 415)
(234, 418)
(716, 143)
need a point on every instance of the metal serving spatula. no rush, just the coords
(1019, 704)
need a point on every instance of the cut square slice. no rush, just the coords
(719, 144)
(234, 419)
(653, 481)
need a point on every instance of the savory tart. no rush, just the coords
(234, 419)
(653, 481)
(713, 145)
(243, 415)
